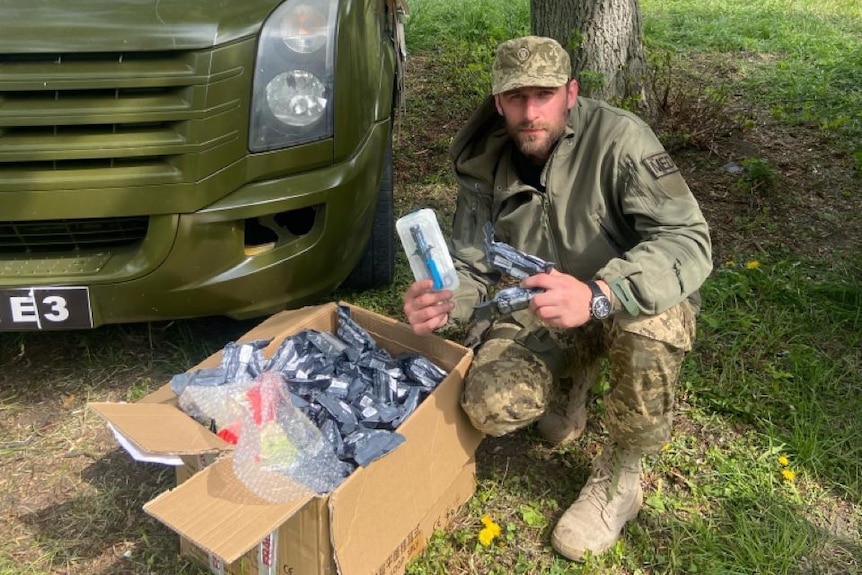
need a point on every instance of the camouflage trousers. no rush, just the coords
(522, 365)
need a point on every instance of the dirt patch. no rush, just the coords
(808, 210)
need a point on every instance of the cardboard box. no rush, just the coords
(373, 523)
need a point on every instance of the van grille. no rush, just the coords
(53, 236)
(89, 121)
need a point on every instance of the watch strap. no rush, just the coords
(598, 295)
(594, 287)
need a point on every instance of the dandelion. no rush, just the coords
(490, 524)
(752, 265)
(489, 532)
(788, 474)
(485, 537)
(729, 264)
(783, 461)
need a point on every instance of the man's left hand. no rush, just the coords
(565, 303)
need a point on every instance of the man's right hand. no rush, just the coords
(425, 308)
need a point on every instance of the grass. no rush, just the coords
(790, 367)
(798, 58)
(471, 22)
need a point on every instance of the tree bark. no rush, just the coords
(605, 40)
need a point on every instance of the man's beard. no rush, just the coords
(536, 147)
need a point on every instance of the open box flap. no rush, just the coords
(160, 429)
(215, 511)
(393, 496)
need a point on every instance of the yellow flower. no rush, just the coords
(486, 537)
(783, 461)
(752, 265)
(489, 532)
(729, 263)
(788, 474)
(490, 525)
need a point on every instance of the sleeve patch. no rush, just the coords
(660, 165)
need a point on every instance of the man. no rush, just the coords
(588, 187)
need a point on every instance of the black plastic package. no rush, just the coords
(354, 392)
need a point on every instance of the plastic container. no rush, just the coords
(426, 248)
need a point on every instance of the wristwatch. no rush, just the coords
(600, 305)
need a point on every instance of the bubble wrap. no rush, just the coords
(213, 406)
(281, 454)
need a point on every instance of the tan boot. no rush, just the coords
(612, 496)
(565, 422)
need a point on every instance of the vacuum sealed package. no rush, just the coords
(426, 249)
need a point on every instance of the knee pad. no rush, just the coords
(508, 387)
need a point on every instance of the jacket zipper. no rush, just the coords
(548, 208)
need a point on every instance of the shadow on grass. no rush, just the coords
(541, 470)
(43, 366)
(105, 530)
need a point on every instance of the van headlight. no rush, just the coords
(292, 98)
(297, 98)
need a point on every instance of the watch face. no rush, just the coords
(601, 307)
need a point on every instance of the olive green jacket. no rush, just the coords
(615, 208)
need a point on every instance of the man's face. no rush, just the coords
(536, 117)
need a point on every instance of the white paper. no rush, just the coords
(139, 455)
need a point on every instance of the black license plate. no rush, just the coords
(45, 308)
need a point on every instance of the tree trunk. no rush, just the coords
(604, 38)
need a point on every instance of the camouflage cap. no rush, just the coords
(530, 61)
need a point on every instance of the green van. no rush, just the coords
(165, 159)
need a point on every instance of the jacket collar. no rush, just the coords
(483, 143)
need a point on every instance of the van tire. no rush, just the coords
(377, 266)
